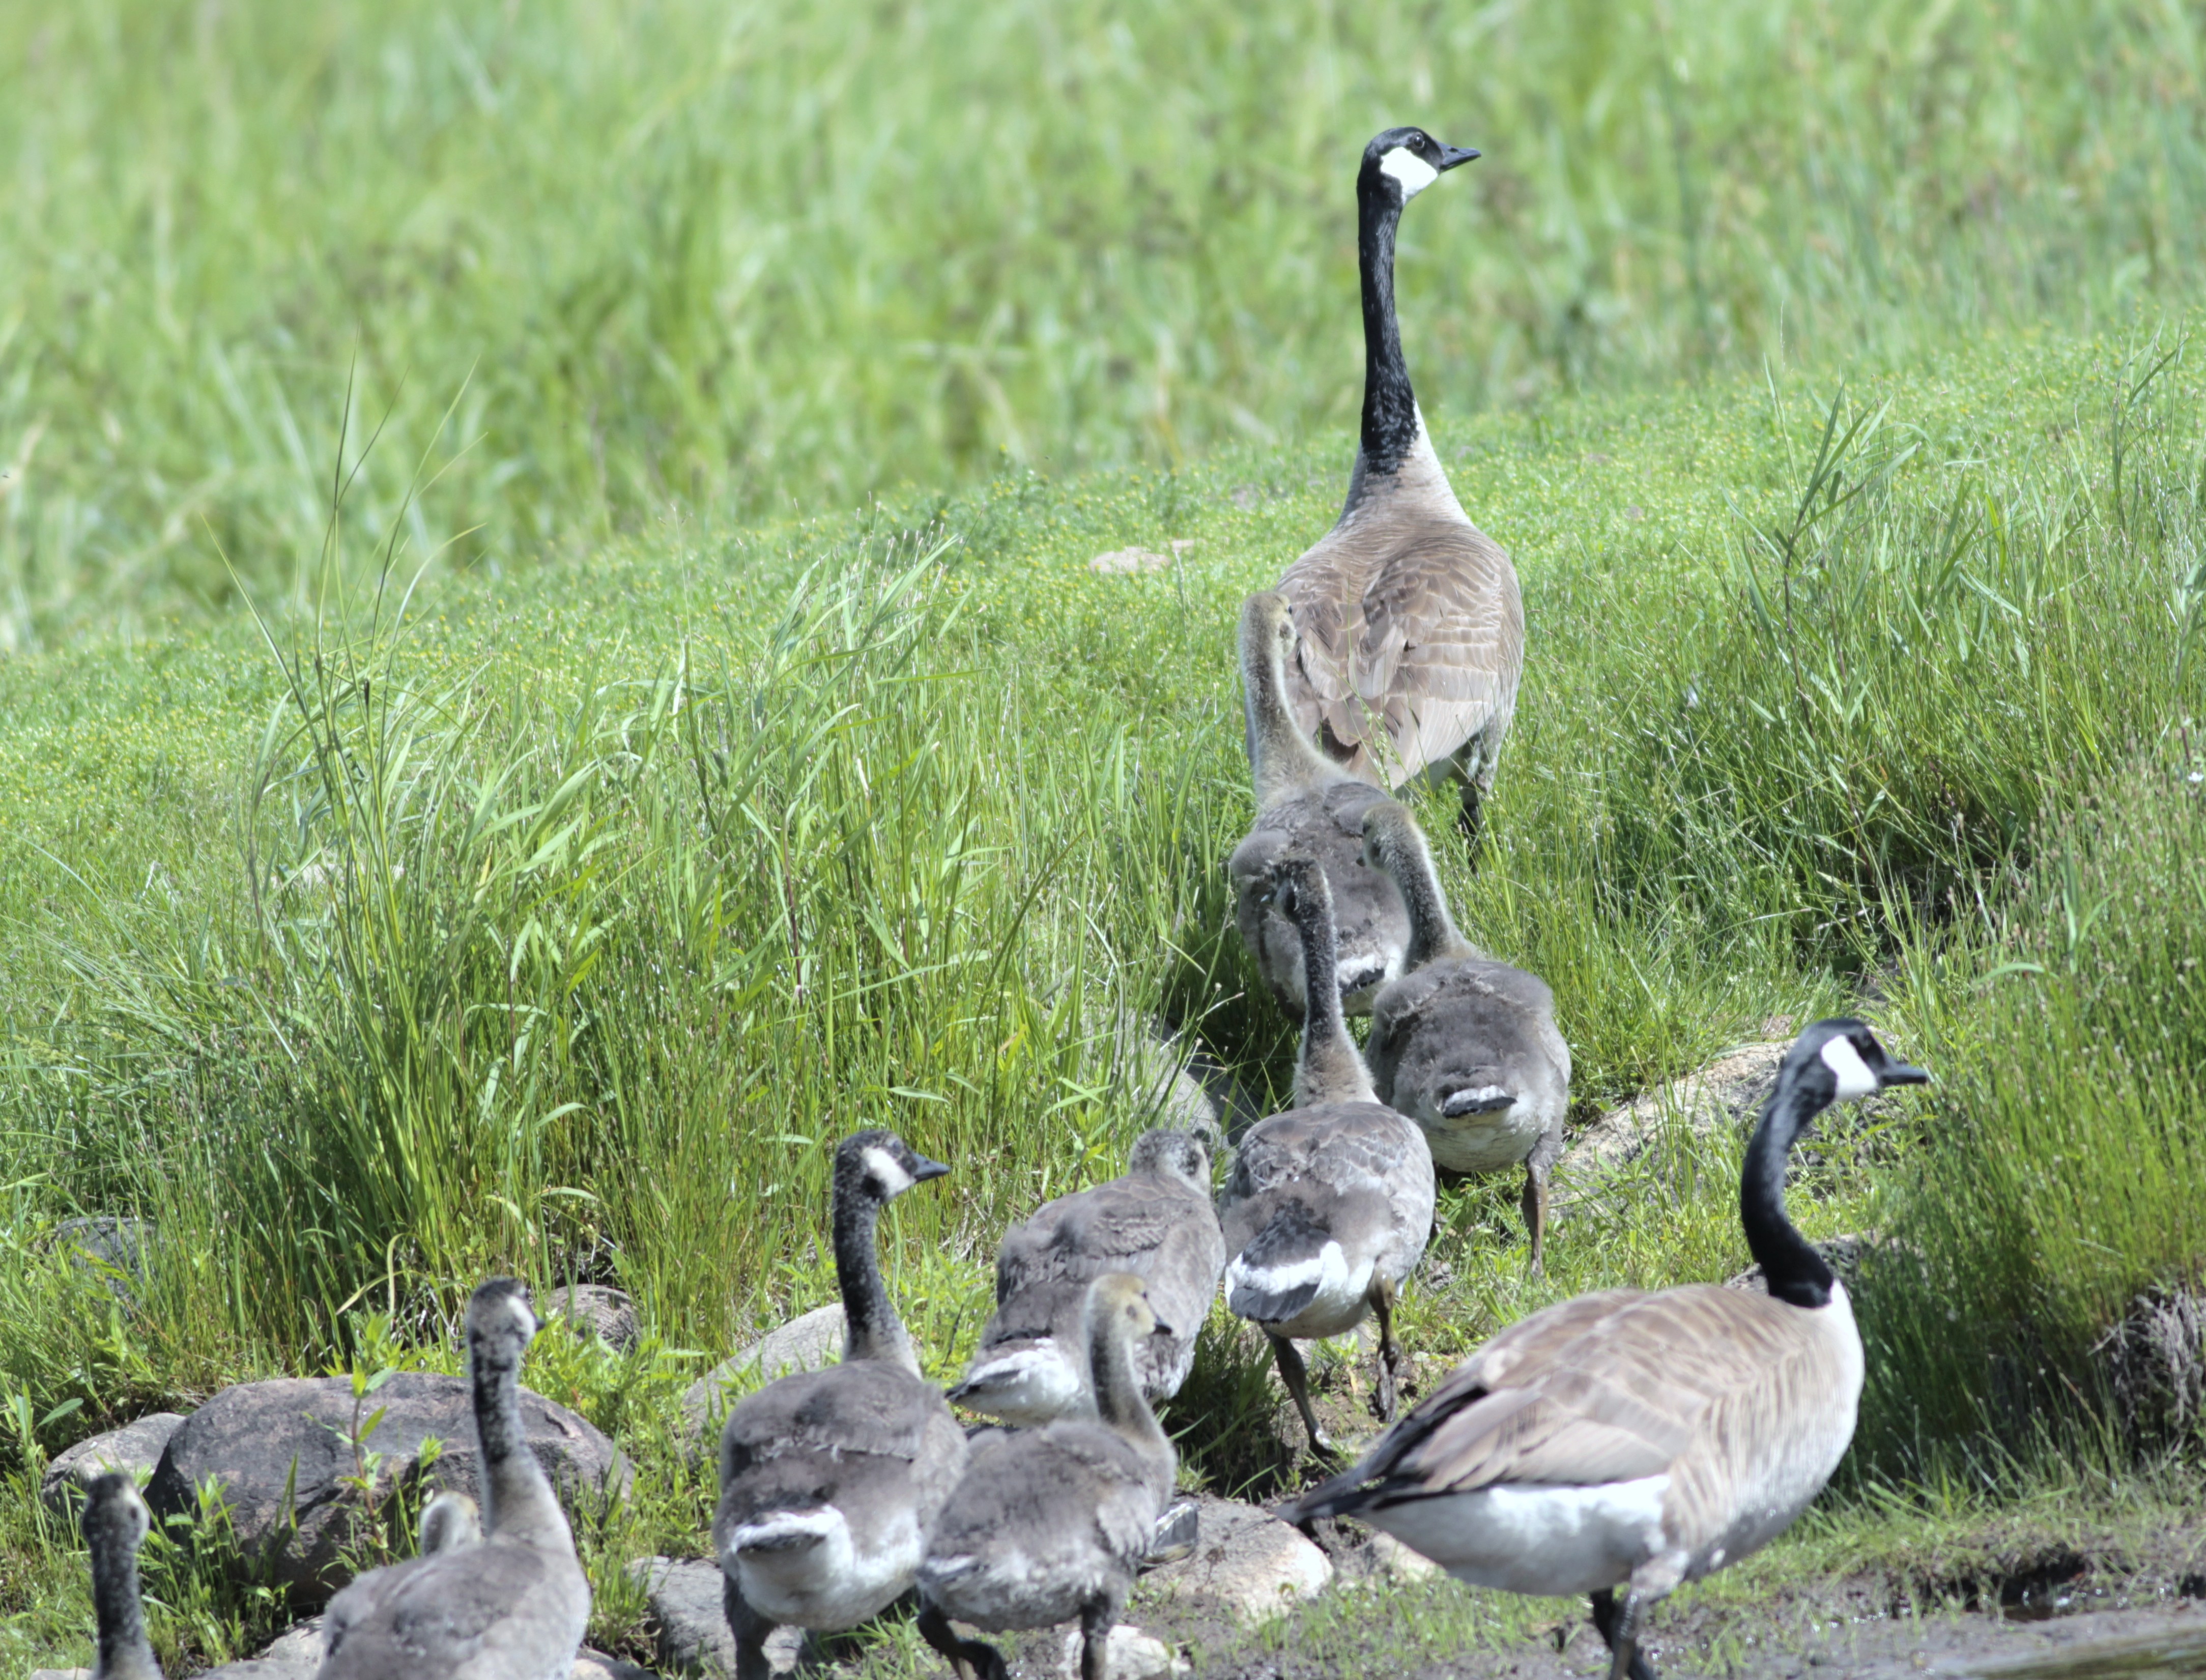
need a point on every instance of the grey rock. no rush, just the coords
(135, 1447)
(298, 1649)
(806, 1344)
(257, 1668)
(1131, 1655)
(61, 1674)
(593, 1307)
(249, 1438)
(1247, 1563)
(684, 1594)
(1723, 1095)
(113, 1246)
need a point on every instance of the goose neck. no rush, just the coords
(1328, 1070)
(1392, 427)
(518, 1502)
(1281, 759)
(124, 1654)
(1433, 932)
(1119, 1402)
(871, 1328)
(1794, 1271)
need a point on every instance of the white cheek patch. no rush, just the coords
(516, 1313)
(1855, 1079)
(1412, 171)
(892, 1178)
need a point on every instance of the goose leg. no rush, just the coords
(750, 1629)
(1296, 1375)
(968, 1659)
(1619, 1627)
(1534, 1204)
(1095, 1620)
(1390, 1351)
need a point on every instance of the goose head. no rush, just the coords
(450, 1522)
(500, 1321)
(1840, 1061)
(1171, 1154)
(1401, 163)
(875, 1167)
(1119, 1301)
(116, 1520)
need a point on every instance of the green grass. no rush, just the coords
(555, 906)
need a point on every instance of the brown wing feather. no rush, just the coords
(1417, 622)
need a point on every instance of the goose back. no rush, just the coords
(1468, 1049)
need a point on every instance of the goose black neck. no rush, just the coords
(1794, 1271)
(494, 1374)
(871, 1329)
(121, 1615)
(1390, 406)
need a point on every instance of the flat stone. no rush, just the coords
(805, 1344)
(298, 1648)
(135, 1447)
(1129, 563)
(256, 1668)
(257, 1437)
(1131, 1654)
(62, 1674)
(1247, 1561)
(1390, 1555)
(1724, 1094)
(594, 1307)
(596, 1665)
(684, 1594)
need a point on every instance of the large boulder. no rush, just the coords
(805, 1344)
(283, 1455)
(135, 1447)
(686, 1604)
(1246, 1561)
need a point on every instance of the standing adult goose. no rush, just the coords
(1050, 1524)
(1635, 1440)
(830, 1479)
(1308, 807)
(1158, 1224)
(1412, 627)
(114, 1523)
(513, 1607)
(1465, 1046)
(1329, 1204)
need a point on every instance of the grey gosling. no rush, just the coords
(1050, 1524)
(450, 1522)
(830, 1479)
(1157, 1223)
(513, 1606)
(1635, 1440)
(1412, 625)
(1465, 1046)
(114, 1524)
(1329, 1204)
(1306, 806)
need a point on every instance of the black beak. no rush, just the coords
(1899, 1073)
(923, 1169)
(1162, 1329)
(1452, 155)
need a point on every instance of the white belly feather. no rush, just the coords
(803, 1569)
(1532, 1538)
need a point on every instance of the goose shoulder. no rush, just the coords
(1617, 1386)
(499, 1611)
(1343, 1146)
(864, 1405)
(1097, 1230)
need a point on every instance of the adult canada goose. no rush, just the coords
(115, 1524)
(1412, 627)
(1328, 1206)
(511, 1607)
(1050, 1524)
(830, 1479)
(1639, 1441)
(1306, 806)
(1156, 1222)
(1465, 1046)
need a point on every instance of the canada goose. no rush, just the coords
(1465, 1046)
(513, 1607)
(829, 1479)
(1306, 806)
(114, 1523)
(1635, 1439)
(1157, 1223)
(1411, 619)
(1051, 1523)
(1329, 1204)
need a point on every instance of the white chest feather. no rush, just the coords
(803, 1568)
(1536, 1538)
(1485, 1142)
(1023, 1387)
